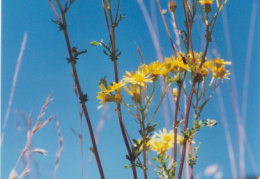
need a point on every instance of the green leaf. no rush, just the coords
(155, 159)
(95, 43)
(167, 157)
(179, 123)
(174, 165)
(127, 166)
(174, 79)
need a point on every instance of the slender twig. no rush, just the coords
(58, 154)
(114, 59)
(167, 29)
(158, 106)
(75, 74)
(185, 128)
(191, 166)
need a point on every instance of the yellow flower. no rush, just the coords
(163, 141)
(206, 2)
(116, 87)
(196, 56)
(159, 146)
(218, 69)
(104, 99)
(180, 65)
(220, 62)
(142, 145)
(155, 69)
(135, 90)
(106, 93)
(104, 89)
(220, 72)
(203, 71)
(166, 137)
(167, 67)
(139, 78)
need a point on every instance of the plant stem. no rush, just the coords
(191, 166)
(185, 127)
(112, 37)
(144, 145)
(75, 74)
(176, 122)
(167, 29)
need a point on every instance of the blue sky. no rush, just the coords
(45, 71)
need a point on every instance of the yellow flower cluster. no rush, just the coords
(171, 66)
(216, 67)
(163, 141)
(106, 94)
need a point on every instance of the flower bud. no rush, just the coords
(74, 50)
(175, 92)
(172, 6)
(207, 8)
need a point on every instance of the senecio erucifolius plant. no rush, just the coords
(186, 73)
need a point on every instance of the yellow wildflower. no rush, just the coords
(203, 71)
(206, 2)
(218, 68)
(180, 65)
(148, 143)
(220, 72)
(116, 87)
(220, 62)
(196, 56)
(104, 99)
(159, 146)
(135, 90)
(163, 141)
(166, 67)
(104, 89)
(140, 77)
(164, 136)
(155, 69)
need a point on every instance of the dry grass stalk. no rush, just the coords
(81, 130)
(26, 150)
(58, 154)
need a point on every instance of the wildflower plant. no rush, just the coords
(185, 73)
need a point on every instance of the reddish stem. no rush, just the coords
(185, 128)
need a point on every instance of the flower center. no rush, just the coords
(139, 78)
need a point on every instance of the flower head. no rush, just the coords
(139, 78)
(106, 94)
(163, 141)
(116, 87)
(155, 69)
(206, 2)
(104, 99)
(218, 68)
(172, 5)
(134, 90)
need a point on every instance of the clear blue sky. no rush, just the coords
(45, 71)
